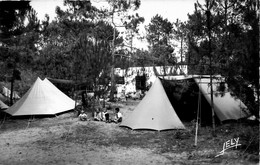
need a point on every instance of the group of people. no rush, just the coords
(103, 115)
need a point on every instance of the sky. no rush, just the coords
(170, 9)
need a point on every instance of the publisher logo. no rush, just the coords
(229, 144)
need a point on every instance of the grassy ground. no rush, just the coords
(66, 140)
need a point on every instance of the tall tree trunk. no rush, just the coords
(112, 91)
(208, 13)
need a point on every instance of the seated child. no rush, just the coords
(83, 116)
(118, 116)
(106, 116)
(99, 115)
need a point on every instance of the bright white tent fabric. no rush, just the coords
(154, 112)
(56, 91)
(226, 107)
(41, 99)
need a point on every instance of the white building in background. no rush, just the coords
(131, 74)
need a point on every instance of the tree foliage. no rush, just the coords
(19, 29)
(180, 34)
(19, 33)
(159, 37)
(78, 45)
(234, 45)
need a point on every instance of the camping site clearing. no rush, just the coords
(66, 140)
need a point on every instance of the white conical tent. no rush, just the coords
(41, 99)
(154, 112)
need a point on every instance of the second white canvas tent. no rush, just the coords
(154, 112)
(226, 107)
(183, 92)
(43, 98)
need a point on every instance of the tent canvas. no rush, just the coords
(60, 94)
(183, 94)
(41, 99)
(226, 107)
(154, 112)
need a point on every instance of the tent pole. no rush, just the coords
(240, 104)
(212, 106)
(28, 122)
(198, 114)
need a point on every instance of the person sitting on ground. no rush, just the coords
(98, 115)
(118, 116)
(106, 116)
(83, 116)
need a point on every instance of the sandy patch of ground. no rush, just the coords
(48, 145)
